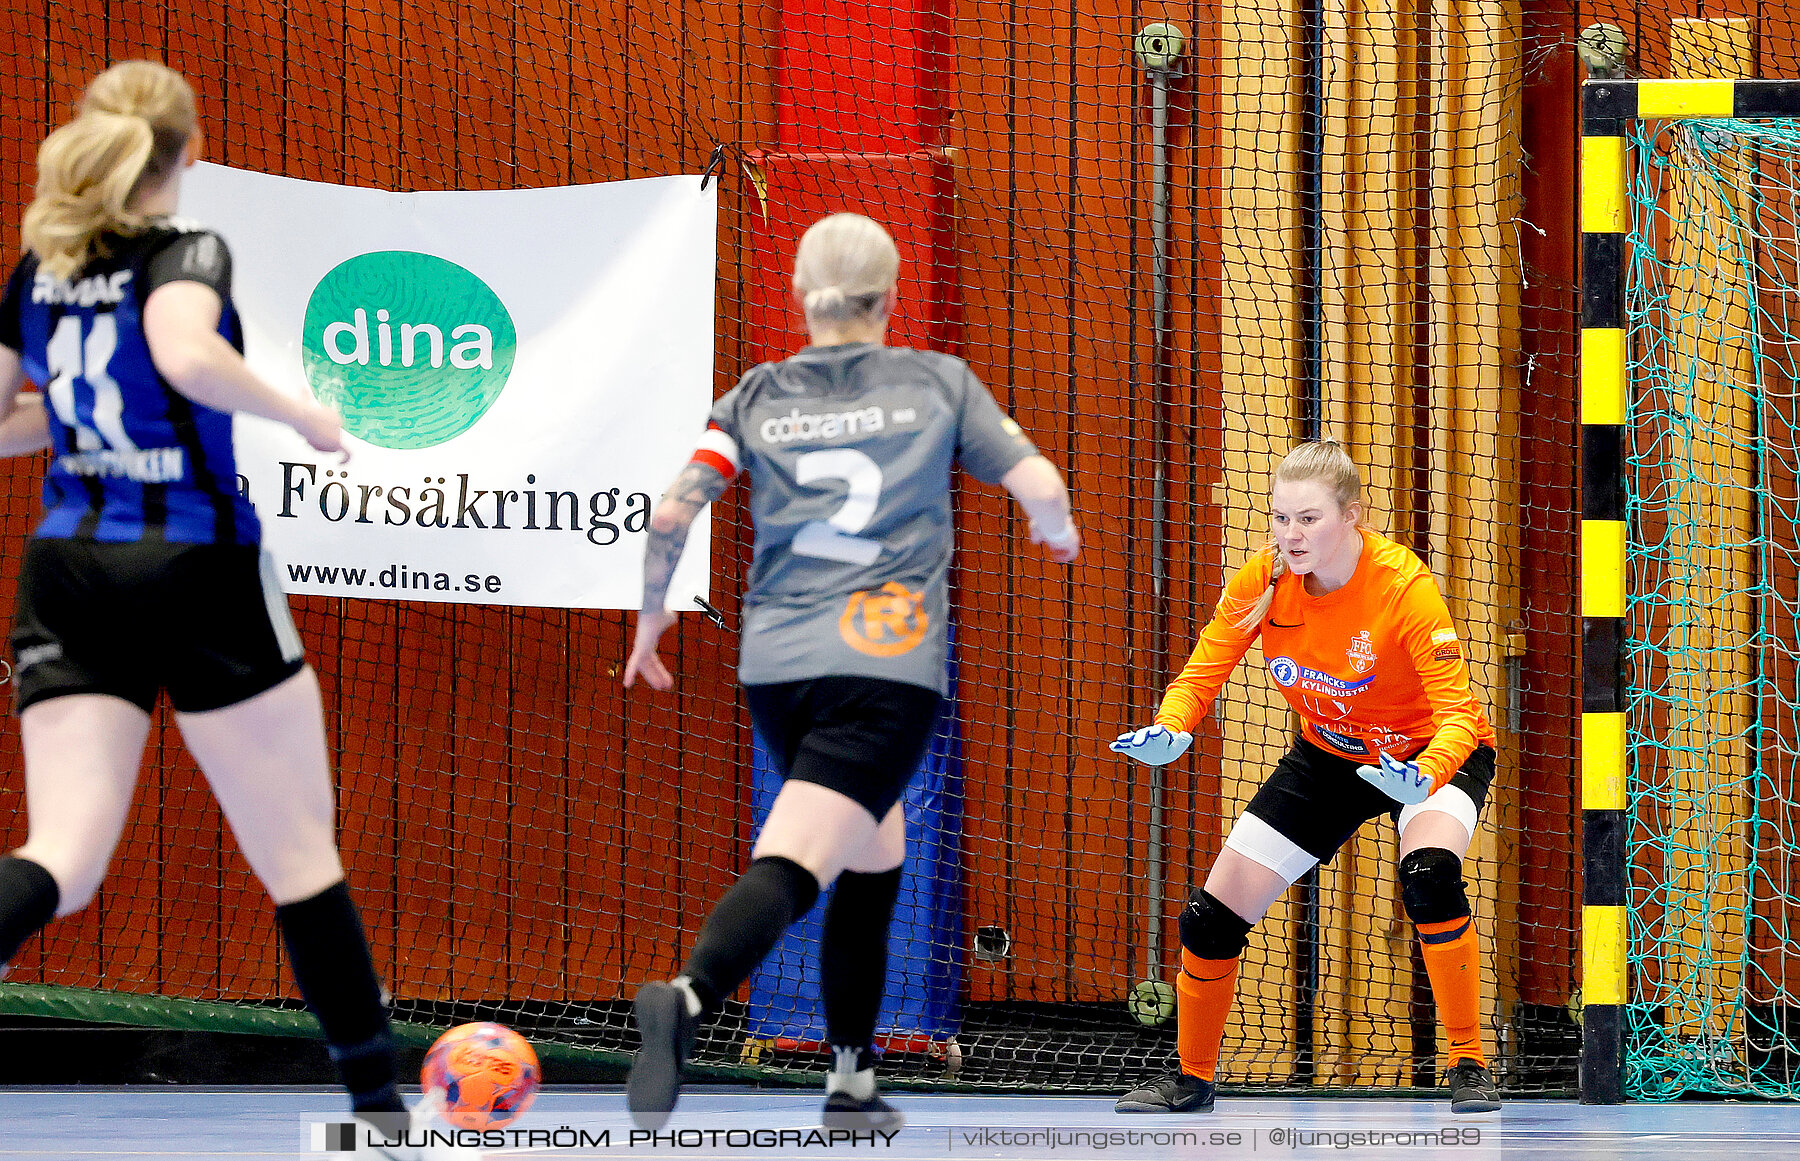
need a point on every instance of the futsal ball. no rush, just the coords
(481, 1076)
(1152, 1003)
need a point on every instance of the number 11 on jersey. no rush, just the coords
(69, 357)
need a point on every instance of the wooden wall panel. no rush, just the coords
(435, 909)
(1477, 432)
(1543, 847)
(1371, 302)
(1259, 366)
(374, 125)
(604, 761)
(983, 179)
(1774, 977)
(177, 861)
(312, 92)
(1014, 760)
(481, 864)
(127, 921)
(314, 38)
(25, 116)
(362, 685)
(454, 771)
(1052, 825)
(1776, 846)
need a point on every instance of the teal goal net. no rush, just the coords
(1711, 458)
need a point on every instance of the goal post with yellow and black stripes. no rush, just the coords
(1690, 587)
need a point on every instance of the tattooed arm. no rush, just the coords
(697, 486)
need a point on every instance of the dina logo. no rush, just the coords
(411, 349)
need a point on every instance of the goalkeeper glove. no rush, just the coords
(1153, 745)
(1400, 781)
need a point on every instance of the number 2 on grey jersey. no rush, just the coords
(849, 451)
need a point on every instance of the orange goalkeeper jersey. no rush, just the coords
(1375, 665)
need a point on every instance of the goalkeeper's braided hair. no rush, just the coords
(1325, 460)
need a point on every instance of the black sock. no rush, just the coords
(28, 899)
(853, 957)
(336, 974)
(744, 927)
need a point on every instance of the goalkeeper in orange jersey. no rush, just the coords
(1359, 641)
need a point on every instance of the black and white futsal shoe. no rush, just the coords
(1176, 1092)
(1472, 1088)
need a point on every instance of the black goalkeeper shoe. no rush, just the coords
(1175, 1093)
(1472, 1088)
(667, 1031)
(843, 1111)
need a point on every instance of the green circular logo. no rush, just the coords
(410, 348)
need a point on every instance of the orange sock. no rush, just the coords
(1454, 964)
(1202, 1002)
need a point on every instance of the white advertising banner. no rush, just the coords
(520, 372)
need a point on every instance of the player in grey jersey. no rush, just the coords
(849, 445)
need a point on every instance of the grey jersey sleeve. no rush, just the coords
(721, 445)
(724, 412)
(988, 443)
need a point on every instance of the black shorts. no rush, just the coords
(863, 737)
(207, 622)
(1317, 800)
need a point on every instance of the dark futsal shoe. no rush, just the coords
(1472, 1088)
(843, 1111)
(1175, 1093)
(667, 1031)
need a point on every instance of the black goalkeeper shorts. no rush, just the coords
(1317, 800)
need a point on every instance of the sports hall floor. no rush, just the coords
(215, 1124)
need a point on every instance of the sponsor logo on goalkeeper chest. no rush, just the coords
(1344, 742)
(1289, 673)
(1367, 740)
(411, 349)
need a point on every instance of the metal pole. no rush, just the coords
(1158, 48)
(1309, 966)
(1159, 499)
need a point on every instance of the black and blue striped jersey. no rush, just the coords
(133, 459)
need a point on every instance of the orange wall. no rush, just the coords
(514, 824)
(490, 765)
